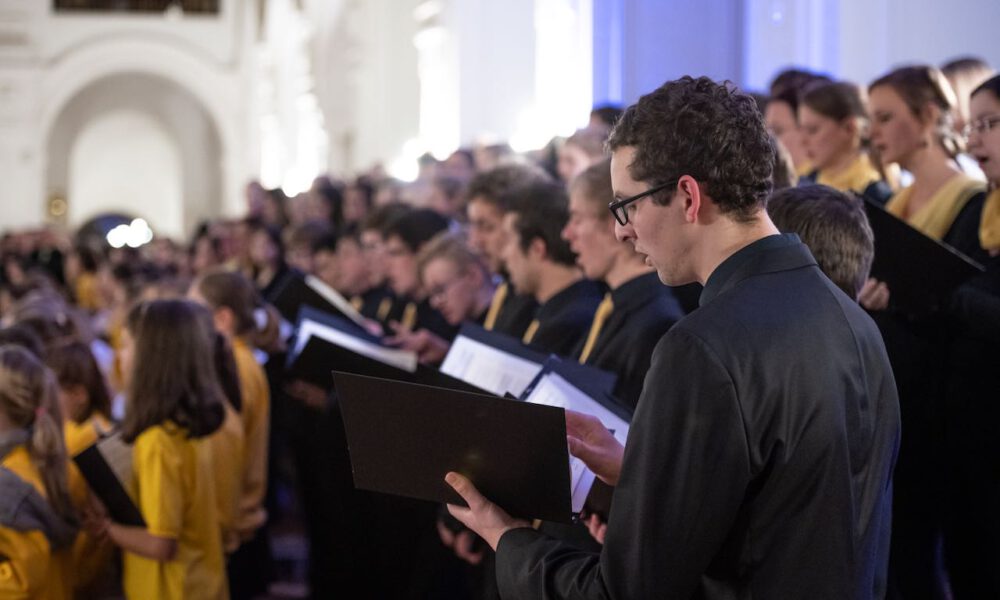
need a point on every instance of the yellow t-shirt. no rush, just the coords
(176, 495)
(936, 217)
(87, 292)
(855, 178)
(80, 436)
(255, 413)
(227, 473)
(33, 570)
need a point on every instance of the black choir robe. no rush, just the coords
(760, 456)
(644, 309)
(516, 314)
(564, 320)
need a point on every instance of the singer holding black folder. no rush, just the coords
(760, 456)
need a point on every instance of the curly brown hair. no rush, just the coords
(710, 131)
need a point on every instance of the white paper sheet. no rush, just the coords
(554, 390)
(402, 359)
(488, 368)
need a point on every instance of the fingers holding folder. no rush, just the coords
(484, 517)
(590, 441)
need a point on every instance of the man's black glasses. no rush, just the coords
(617, 207)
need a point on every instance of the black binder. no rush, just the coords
(404, 438)
(318, 357)
(106, 483)
(920, 271)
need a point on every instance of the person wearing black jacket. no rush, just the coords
(637, 309)
(759, 460)
(541, 264)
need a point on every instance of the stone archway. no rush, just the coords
(138, 143)
(200, 104)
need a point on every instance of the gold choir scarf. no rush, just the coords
(603, 312)
(989, 227)
(499, 296)
(804, 169)
(937, 216)
(855, 178)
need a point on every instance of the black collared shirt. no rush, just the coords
(759, 460)
(644, 309)
(564, 320)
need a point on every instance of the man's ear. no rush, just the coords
(224, 319)
(689, 194)
(537, 250)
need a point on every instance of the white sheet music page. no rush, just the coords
(402, 359)
(488, 368)
(554, 390)
(335, 298)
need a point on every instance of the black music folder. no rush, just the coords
(106, 466)
(404, 438)
(318, 349)
(920, 271)
(296, 291)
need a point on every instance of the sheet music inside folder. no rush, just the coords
(404, 438)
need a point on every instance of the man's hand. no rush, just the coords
(485, 518)
(874, 295)
(430, 349)
(598, 529)
(590, 441)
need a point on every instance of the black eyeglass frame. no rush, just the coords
(617, 207)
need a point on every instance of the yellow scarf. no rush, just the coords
(804, 169)
(989, 227)
(855, 178)
(937, 216)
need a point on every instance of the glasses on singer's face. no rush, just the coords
(981, 126)
(618, 207)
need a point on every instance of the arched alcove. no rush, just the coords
(139, 143)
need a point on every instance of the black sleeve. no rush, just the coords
(685, 472)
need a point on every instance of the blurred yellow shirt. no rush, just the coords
(255, 413)
(176, 496)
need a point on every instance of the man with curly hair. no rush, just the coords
(760, 456)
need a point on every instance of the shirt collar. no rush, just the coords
(724, 272)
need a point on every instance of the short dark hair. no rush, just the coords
(492, 185)
(416, 227)
(835, 228)
(607, 113)
(542, 209)
(708, 130)
(383, 215)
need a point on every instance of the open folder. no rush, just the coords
(107, 467)
(325, 342)
(404, 438)
(492, 361)
(920, 271)
(296, 291)
(583, 389)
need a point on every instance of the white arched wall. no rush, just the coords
(221, 92)
(175, 113)
(124, 161)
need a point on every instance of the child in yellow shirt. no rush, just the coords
(38, 524)
(173, 404)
